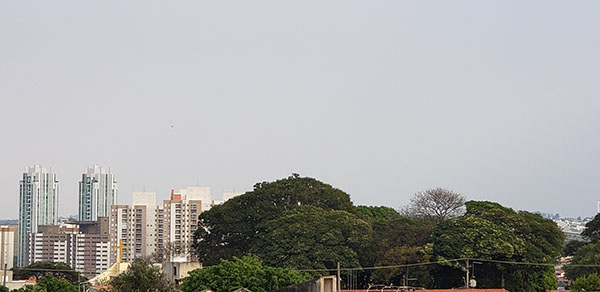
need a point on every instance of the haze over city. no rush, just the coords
(380, 99)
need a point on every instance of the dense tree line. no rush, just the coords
(302, 223)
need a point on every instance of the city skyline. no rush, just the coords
(494, 100)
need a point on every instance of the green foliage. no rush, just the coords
(376, 214)
(572, 246)
(309, 237)
(588, 254)
(141, 276)
(38, 270)
(590, 282)
(401, 241)
(592, 229)
(49, 284)
(491, 231)
(4, 289)
(246, 272)
(231, 229)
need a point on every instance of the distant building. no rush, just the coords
(162, 231)
(97, 192)
(181, 220)
(83, 245)
(38, 205)
(140, 226)
(7, 247)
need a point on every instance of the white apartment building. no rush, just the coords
(38, 205)
(97, 192)
(164, 232)
(139, 226)
(7, 247)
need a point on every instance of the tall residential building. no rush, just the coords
(38, 205)
(181, 221)
(83, 245)
(7, 247)
(97, 192)
(165, 232)
(139, 226)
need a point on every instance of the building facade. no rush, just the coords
(139, 226)
(84, 246)
(181, 221)
(38, 205)
(164, 232)
(7, 247)
(97, 192)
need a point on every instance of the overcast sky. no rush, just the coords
(497, 100)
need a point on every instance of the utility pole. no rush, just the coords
(339, 280)
(467, 278)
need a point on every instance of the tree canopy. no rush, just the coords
(436, 204)
(592, 229)
(141, 276)
(308, 237)
(231, 229)
(589, 282)
(245, 272)
(491, 231)
(40, 269)
(49, 283)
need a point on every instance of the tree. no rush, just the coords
(592, 229)
(588, 254)
(141, 276)
(374, 214)
(572, 246)
(49, 284)
(590, 282)
(245, 272)
(491, 231)
(402, 241)
(231, 229)
(438, 204)
(308, 237)
(40, 269)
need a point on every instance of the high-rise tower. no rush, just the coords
(38, 204)
(97, 192)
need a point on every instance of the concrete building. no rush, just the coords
(140, 227)
(97, 192)
(162, 231)
(38, 205)
(181, 221)
(83, 245)
(7, 248)
(178, 268)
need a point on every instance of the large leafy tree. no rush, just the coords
(400, 241)
(40, 269)
(49, 284)
(141, 276)
(587, 255)
(589, 282)
(245, 272)
(231, 229)
(491, 231)
(309, 237)
(592, 229)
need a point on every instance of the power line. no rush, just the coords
(450, 261)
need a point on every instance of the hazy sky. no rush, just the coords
(497, 100)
